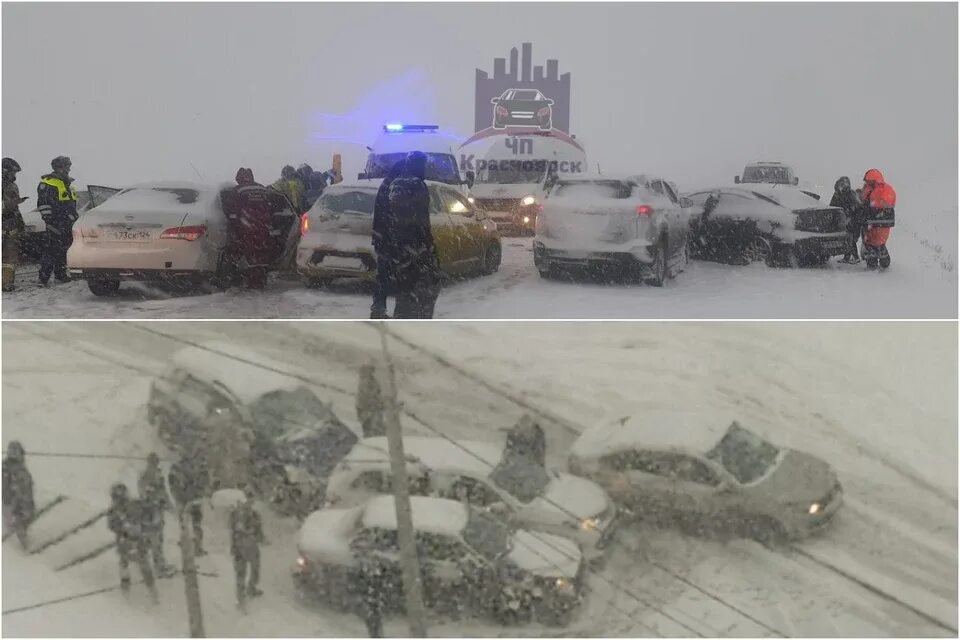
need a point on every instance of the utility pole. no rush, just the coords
(191, 586)
(416, 612)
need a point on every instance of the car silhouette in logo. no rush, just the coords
(522, 108)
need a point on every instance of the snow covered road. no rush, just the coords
(921, 284)
(884, 418)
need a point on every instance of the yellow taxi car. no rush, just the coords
(336, 234)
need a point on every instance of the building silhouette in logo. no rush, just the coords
(522, 96)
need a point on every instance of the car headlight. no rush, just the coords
(814, 508)
(528, 200)
(526, 219)
(471, 199)
(563, 584)
(590, 524)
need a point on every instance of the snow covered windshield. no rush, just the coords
(774, 175)
(597, 189)
(495, 174)
(441, 167)
(280, 412)
(744, 454)
(521, 477)
(357, 201)
(487, 534)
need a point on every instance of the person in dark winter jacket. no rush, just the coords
(386, 282)
(249, 208)
(370, 586)
(57, 203)
(410, 241)
(18, 491)
(130, 521)
(246, 536)
(189, 480)
(846, 198)
(152, 489)
(13, 226)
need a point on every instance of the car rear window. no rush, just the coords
(597, 189)
(359, 201)
(158, 195)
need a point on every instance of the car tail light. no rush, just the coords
(184, 233)
(644, 210)
(304, 224)
(543, 112)
(501, 111)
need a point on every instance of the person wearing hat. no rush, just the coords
(128, 520)
(246, 536)
(18, 491)
(13, 227)
(152, 489)
(57, 203)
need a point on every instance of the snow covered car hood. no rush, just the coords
(494, 190)
(325, 535)
(545, 555)
(798, 478)
(567, 493)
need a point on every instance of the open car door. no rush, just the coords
(285, 230)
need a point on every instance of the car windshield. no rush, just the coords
(594, 189)
(358, 201)
(282, 411)
(744, 454)
(521, 477)
(525, 95)
(441, 167)
(772, 175)
(486, 534)
(507, 174)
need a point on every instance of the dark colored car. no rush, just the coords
(522, 108)
(776, 224)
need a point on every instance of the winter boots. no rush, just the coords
(876, 256)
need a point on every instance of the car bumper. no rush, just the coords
(140, 275)
(316, 263)
(624, 256)
(826, 245)
(809, 525)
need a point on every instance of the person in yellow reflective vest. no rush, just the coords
(57, 203)
(13, 226)
(289, 185)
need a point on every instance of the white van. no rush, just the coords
(398, 140)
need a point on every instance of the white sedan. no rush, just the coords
(469, 559)
(174, 232)
(684, 468)
(476, 473)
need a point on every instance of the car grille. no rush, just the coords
(497, 204)
(819, 220)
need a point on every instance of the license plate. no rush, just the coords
(132, 235)
(341, 262)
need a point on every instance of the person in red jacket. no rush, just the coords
(249, 210)
(879, 200)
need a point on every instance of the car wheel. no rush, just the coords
(657, 275)
(768, 532)
(784, 256)
(491, 259)
(104, 287)
(758, 250)
(227, 273)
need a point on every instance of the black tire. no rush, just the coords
(546, 274)
(658, 271)
(491, 259)
(104, 287)
(227, 274)
(768, 532)
(784, 256)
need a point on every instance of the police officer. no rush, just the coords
(189, 480)
(13, 227)
(246, 536)
(153, 493)
(18, 491)
(57, 203)
(129, 521)
(370, 403)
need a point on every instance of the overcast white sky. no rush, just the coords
(693, 91)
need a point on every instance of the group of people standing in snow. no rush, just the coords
(870, 216)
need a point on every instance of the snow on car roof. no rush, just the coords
(657, 430)
(245, 380)
(786, 196)
(148, 196)
(366, 185)
(431, 515)
(596, 177)
(436, 453)
(326, 532)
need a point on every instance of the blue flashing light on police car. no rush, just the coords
(394, 127)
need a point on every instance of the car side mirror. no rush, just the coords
(362, 176)
(471, 178)
(736, 179)
(494, 100)
(549, 101)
